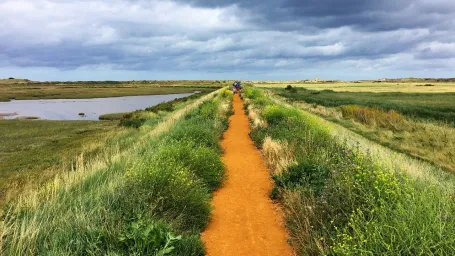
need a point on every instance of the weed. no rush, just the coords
(340, 200)
(148, 239)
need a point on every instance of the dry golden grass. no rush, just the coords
(439, 87)
(431, 141)
(300, 213)
(375, 117)
(278, 155)
(254, 117)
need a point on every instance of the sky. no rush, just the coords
(226, 39)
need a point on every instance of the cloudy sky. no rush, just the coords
(226, 39)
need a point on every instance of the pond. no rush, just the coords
(72, 109)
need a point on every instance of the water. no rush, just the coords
(69, 109)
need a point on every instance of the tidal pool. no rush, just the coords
(70, 109)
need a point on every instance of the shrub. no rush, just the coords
(291, 89)
(165, 106)
(374, 116)
(148, 239)
(133, 122)
(274, 114)
(202, 161)
(171, 192)
(202, 133)
(227, 94)
(112, 116)
(251, 93)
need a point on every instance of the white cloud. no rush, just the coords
(50, 21)
(163, 35)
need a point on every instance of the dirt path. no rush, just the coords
(245, 221)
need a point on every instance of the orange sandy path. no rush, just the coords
(244, 221)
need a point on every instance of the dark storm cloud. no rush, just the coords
(365, 15)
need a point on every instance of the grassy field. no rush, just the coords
(170, 167)
(344, 195)
(433, 142)
(367, 86)
(82, 91)
(437, 106)
(31, 150)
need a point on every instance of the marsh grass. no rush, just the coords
(92, 89)
(375, 116)
(434, 106)
(408, 86)
(134, 199)
(112, 116)
(31, 151)
(140, 117)
(430, 141)
(279, 156)
(345, 195)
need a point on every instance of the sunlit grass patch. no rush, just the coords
(139, 199)
(346, 196)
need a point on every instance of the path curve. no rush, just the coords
(245, 221)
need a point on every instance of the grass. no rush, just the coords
(113, 116)
(83, 90)
(436, 106)
(31, 149)
(433, 142)
(344, 195)
(140, 117)
(150, 196)
(417, 86)
(32, 152)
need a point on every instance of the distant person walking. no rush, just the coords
(236, 86)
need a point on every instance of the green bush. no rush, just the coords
(148, 239)
(139, 118)
(132, 122)
(202, 161)
(274, 114)
(172, 191)
(165, 106)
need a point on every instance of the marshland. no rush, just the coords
(353, 172)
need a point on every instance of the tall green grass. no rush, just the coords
(140, 117)
(436, 106)
(340, 199)
(152, 200)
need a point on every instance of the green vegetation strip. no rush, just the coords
(340, 198)
(33, 152)
(437, 106)
(27, 90)
(32, 149)
(150, 198)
